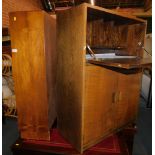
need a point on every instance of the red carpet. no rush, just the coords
(109, 145)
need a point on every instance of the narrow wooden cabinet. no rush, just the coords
(33, 53)
(97, 96)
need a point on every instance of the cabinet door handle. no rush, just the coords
(120, 96)
(114, 97)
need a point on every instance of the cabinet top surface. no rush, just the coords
(30, 11)
(112, 15)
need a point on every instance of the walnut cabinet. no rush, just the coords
(97, 97)
(33, 53)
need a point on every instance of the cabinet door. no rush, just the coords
(100, 86)
(128, 93)
(134, 97)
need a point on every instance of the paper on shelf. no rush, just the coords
(109, 56)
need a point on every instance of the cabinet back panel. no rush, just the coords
(103, 34)
(100, 86)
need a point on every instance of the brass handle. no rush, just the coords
(114, 97)
(120, 96)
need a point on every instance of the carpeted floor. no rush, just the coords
(142, 141)
(143, 138)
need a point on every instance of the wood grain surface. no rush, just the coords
(100, 89)
(71, 40)
(111, 101)
(106, 34)
(32, 72)
(128, 95)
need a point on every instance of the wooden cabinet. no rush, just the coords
(33, 55)
(97, 96)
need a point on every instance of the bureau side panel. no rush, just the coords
(71, 40)
(27, 37)
(50, 59)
